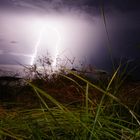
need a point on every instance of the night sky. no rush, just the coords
(73, 28)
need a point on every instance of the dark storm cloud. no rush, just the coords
(125, 5)
(48, 5)
(12, 59)
(91, 7)
(1, 39)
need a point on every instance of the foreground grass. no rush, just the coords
(107, 118)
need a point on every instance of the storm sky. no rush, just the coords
(76, 27)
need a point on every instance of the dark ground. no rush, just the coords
(13, 94)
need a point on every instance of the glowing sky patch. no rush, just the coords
(37, 45)
(65, 36)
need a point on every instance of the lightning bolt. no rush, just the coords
(36, 46)
(39, 41)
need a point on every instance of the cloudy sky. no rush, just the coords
(68, 28)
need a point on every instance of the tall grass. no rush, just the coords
(103, 121)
